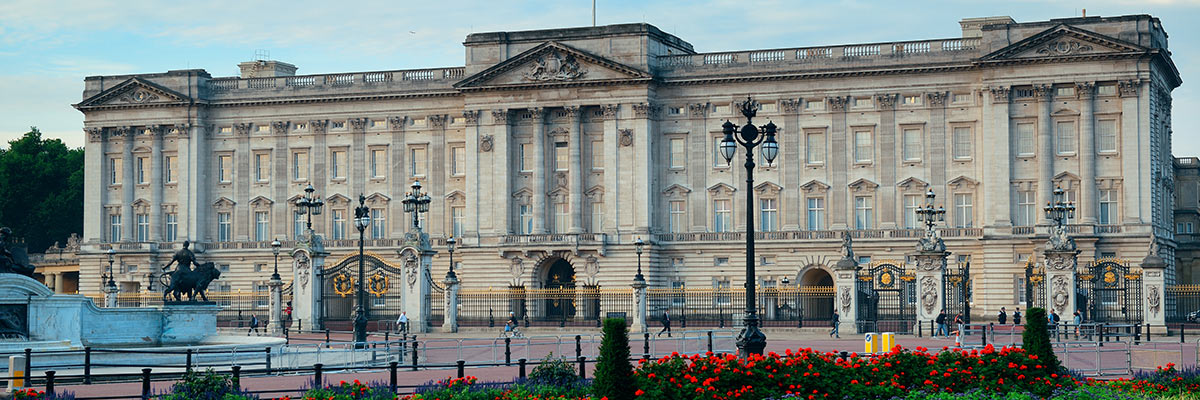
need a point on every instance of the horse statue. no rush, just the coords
(192, 282)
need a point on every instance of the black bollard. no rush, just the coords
(462, 366)
(710, 341)
(521, 363)
(414, 365)
(582, 367)
(145, 383)
(49, 383)
(87, 365)
(578, 346)
(392, 371)
(237, 376)
(189, 361)
(1181, 333)
(646, 346)
(990, 326)
(920, 328)
(1137, 334)
(507, 351)
(28, 362)
(317, 381)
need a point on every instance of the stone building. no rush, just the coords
(551, 151)
(1187, 219)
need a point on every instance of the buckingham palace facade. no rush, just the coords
(552, 151)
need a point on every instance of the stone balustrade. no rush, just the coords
(800, 57)
(233, 85)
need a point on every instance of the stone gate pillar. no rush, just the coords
(110, 295)
(450, 323)
(1154, 288)
(845, 300)
(640, 309)
(1060, 282)
(931, 272)
(417, 256)
(275, 325)
(308, 259)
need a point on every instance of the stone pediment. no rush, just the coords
(552, 63)
(1064, 41)
(135, 92)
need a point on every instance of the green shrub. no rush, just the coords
(555, 371)
(1036, 338)
(207, 385)
(614, 374)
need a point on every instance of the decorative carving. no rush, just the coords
(1043, 92)
(929, 294)
(139, 96)
(1060, 261)
(645, 110)
(500, 116)
(120, 131)
(559, 131)
(837, 103)
(303, 269)
(845, 298)
(572, 112)
(1059, 241)
(886, 101)
(847, 246)
(931, 263)
(411, 268)
(698, 109)
(318, 125)
(560, 179)
(182, 130)
(537, 114)
(437, 121)
(471, 116)
(1063, 47)
(609, 110)
(517, 268)
(396, 123)
(242, 128)
(592, 267)
(279, 127)
(1000, 94)
(1153, 299)
(553, 66)
(358, 124)
(936, 98)
(625, 137)
(1085, 90)
(485, 143)
(1060, 294)
(94, 134)
(789, 106)
(931, 242)
(1128, 88)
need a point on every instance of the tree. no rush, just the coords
(1036, 338)
(41, 190)
(614, 374)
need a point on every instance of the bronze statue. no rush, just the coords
(13, 262)
(185, 280)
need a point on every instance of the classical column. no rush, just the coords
(58, 283)
(1154, 286)
(94, 185)
(612, 188)
(931, 271)
(450, 311)
(398, 181)
(1088, 201)
(1045, 150)
(503, 172)
(472, 216)
(995, 150)
(575, 174)
(539, 170)
(792, 138)
(48, 277)
(838, 207)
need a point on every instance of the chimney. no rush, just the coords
(266, 69)
(973, 27)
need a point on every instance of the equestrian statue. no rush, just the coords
(15, 260)
(184, 279)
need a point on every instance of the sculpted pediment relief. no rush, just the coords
(552, 63)
(134, 92)
(1064, 41)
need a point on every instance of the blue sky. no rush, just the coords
(48, 47)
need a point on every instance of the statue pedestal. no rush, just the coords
(450, 319)
(110, 296)
(640, 309)
(1060, 282)
(275, 325)
(931, 272)
(1154, 269)
(845, 297)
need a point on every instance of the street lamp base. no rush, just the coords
(751, 340)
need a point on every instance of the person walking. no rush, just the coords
(254, 326)
(402, 322)
(1003, 317)
(958, 323)
(1017, 316)
(666, 323)
(941, 325)
(834, 332)
(1078, 320)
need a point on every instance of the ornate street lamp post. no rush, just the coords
(639, 244)
(1059, 211)
(275, 245)
(751, 340)
(309, 204)
(416, 203)
(930, 215)
(450, 275)
(111, 257)
(362, 220)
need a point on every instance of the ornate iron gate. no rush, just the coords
(887, 298)
(956, 285)
(1110, 291)
(1035, 285)
(383, 288)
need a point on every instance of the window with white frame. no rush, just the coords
(170, 167)
(1026, 208)
(142, 165)
(525, 156)
(1025, 139)
(561, 156)
(722, 215)
(526, 219)
(262, 295)
(769, 214)
(338, 230)
(225, 168)
(378, 163)
(1106, 90)
(814, 148)
(723, 298)
(718, 159)
(964, 215)
(262, 226)
(597, 155)
(596, 210)
(962, 98)
(863, 147)
(299, 223)
(224, 227)
(172, 225)
(1065, 136)
(114, 227)
(262, 167)
(458, 161)
(816, 213)
(913, 149)
(457, 219)
(417, 162)
(912, 100)
(143, 227)
(678, 216)
(864, 217)
(562, 216)
(114, 171)
(1106, 135)
(814, 105)
(678, 157)
(378, 223)
(337, 161)
(962, 142)
(300, 165)
(863, 102)
(911, 203)
(1108, 207)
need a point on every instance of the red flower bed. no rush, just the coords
(809, 374)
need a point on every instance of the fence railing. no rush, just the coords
(580, 306)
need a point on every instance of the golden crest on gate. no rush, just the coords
(378, 284)
(886, 278)
(1110, 277)
(343, 284)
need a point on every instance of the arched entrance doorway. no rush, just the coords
(816, 296)
(559, 283)
(816, 277)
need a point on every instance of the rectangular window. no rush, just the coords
(597, 213)
(678, 216)
(337, 164)
(224, 227)
(526, 153)
(1025, 140)
(962, 142)
(1064, 92)
(597, 155)
(912, 100)
(814, 105)
(378, 223)
(964, 215)
(458, 161)
(561, 157)
(814, 148)
(142, 165)
(723, 293)
(1106, 90)
(1026, 208)
(912, 144)
(143, 227)
(416, 159)
(722, 216)
(172, 224)
(262, 295)
(864, 217)
(1106, 135)
(114, 171)
(299, 223)
(863, 149)
(718, 159)
(338, 230)
(457, 221)
(225, 168)
(1072, 196)
(526, 222)
(300, 165)
(378, 163)
(816, 213)
(1108, 207)
(262, 226)
(262, 167)
(769, 214)
(863, 102)
(962, 97)
(1065, 135)
(911, 203)
(260, 267)
(169, 168)
(678, 157)
(562, 217)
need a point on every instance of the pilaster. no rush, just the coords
(575, 173)
(792, 166)
(539, 169)
(839, 161)
(127, 185)
(471, 137)
(94, 184)
(1088, 201)
(503, 172)
(994, 150)
(398, 180)
(157, 224)
(1045, 149)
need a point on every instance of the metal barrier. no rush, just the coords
(1088, 359)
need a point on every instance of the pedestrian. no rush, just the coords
(1078, 320)
(402, 322)
(941, 325)
(1017, 316)
(254, 326)
(1003, 317)
(958, 323)
(1054, 318)
(666, 323)
(287, 311)
(834, 332)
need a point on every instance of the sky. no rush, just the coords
(48, 47)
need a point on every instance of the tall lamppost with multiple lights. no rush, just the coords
(309, 204)
(751, 340)
(416, 203)
(929, 214)
(110, 287)
(1059, 211)
(362, 220)
(275, 326)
